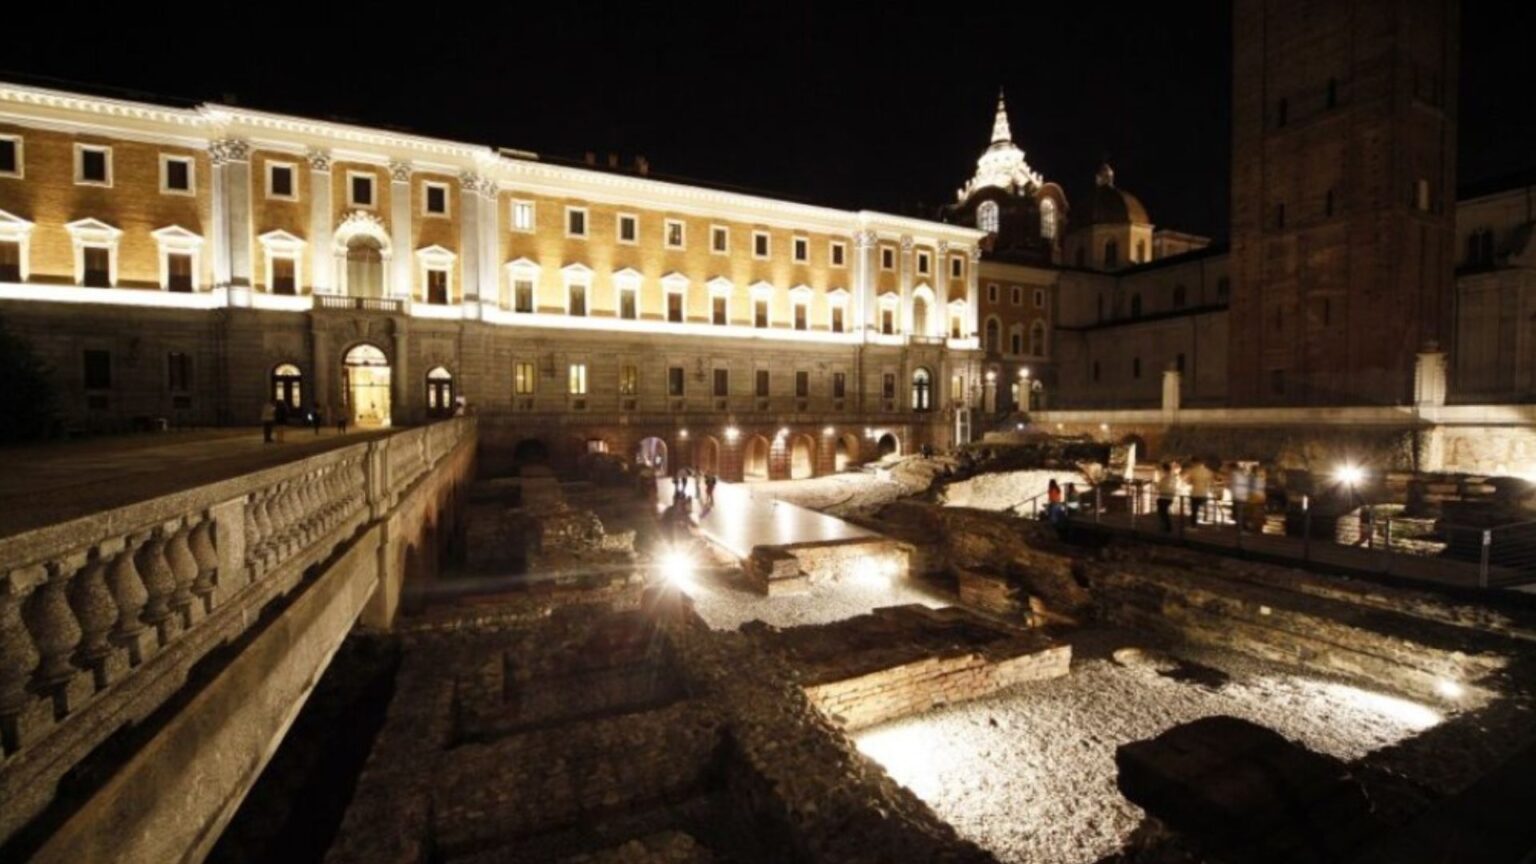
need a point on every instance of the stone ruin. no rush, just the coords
(527, 526)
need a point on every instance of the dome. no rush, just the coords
(1110, 205)
(1002, 165)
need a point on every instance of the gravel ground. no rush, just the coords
(856, 491)
(1003, 490)
(1030, 773)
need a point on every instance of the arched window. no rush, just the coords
(922, 390)
(1111, 253)
(1178, 296)
(1048, 218)
(1015, 340)
(288, 385)
(986, 217)
(439, 392)
(993, 335)
(1037, 339)
(1135, 305)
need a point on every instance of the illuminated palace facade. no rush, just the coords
(193, 263)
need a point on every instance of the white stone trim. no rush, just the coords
(426, 212)
(94, 234)
(435, 257)
(576, 274)
(720, 285)
(924, 263)
(14, 229)
(176, 240)
(361, 223)
(521, 269)
(191, 163)
(281, 244)
(627, 279)
(761, 290)
(80, 150)
(373, 186)
(21, 157)
(533, 215)
(293, 179)
(618, 229)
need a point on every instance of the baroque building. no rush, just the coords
(193, 263)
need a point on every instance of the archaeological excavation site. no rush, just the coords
(910, 660)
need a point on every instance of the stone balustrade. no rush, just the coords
(102, 618)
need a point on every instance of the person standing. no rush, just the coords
(280, 419)
(709, 488)
(314, 418)
(1200, 479)
(1167, 490)
(268, 417)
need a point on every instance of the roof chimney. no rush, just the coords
(613, 160)
(642, 166)
(591, 158)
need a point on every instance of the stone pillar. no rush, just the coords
(864, 269)
(1429, 387)
(401, 410)
(322, 259)
(973, 288)
(470, 242)
(989, 394)
(906, 265)
(1172, 380)
(231, 160)
(400, 278)
(490, 244)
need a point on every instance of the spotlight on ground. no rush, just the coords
(1449, 689)
(677, 568)
(1349, 475)
(873, 573)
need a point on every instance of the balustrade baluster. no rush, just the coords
(130, 594)
(94, 608)
(160, 582)
(18, 658)
(207, 557)
(178, 554)
(56, 633)
(257, 540)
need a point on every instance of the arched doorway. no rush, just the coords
(288, 385)
(846, 454)
(888, 445)
(802, 457)
(706, 455)
(530, 451)
(439, 393)
(365, 267)
(922, 389)
(1037, 395)
(365, 373)
(754, 465)
(652, 452)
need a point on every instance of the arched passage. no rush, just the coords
(889, 445)
(706, 455)
(366, 374)
(754, 463)
(530, 451)
(846, 453)
(652, 453)
(802, 457)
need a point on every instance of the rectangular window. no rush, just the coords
(437, 287)
(719, 239)
(888, 321)
(675, 381)
(577, 302)
(360, 189)
(838, 252)
(837, 319)
(283, 281)
(802, 249)
(522, 295)
(629, 380)
(578, 379)
(98, 369)
(675, 306)
(761, 247)
(576, 222)
(800, 316)
(178, 273)
(839, 385)
(802, 383)
(627, 306)
(888, 385)
(435, 202)
(1016, 295)
(762, 382)
(675, 232)
(629, 228)
(760, 313)
(98, 267)
(992, 292)
(178, 372)
(522, 216)
(10, 156)
(954, 326)
(1280, 215)
(922, 263)
(887, 258)
(722, 382)
(718, 310)
(1421, 195)
(176, 175)
(280, 181)
(522, 379)
(956, 267)
(10, 261)
(93, 165)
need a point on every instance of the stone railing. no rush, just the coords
(102, 618)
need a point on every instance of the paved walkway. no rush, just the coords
(44, 484)
(738, 520)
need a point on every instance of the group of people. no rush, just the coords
(1060, 502)
(1247, 486)
(703, 487)
(277, 414)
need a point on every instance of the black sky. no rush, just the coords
(875, 106)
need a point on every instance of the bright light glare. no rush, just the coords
(1349, 475)
(873, 572)
(1449, 689)
(677, 568)
(1412, 715)
(911, 754)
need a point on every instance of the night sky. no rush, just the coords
(884, 107)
